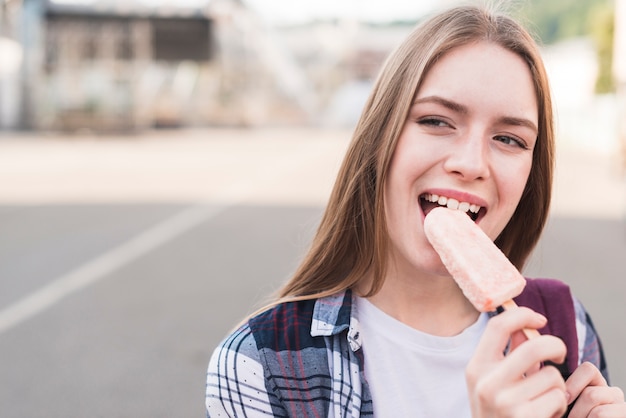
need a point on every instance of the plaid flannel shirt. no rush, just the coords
(303, 359)
(298, 359)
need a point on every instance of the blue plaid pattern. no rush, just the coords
(303, 359)
(299, 359)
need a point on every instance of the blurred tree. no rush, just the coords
(556, 20)
(602, 29)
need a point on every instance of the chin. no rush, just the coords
(429, 264)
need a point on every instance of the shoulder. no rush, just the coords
(284, 327)
(270, 363)
(235, 378)
(268, 329)
(301, 323)
(239, 342)
(238, 351)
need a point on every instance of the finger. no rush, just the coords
(609, 411)
(541, 382)
(517, 339)
(543, 395)
(585, 375)
(594, 399)
(552, 403)
(524, 360)
(490, 350)
(500, 328)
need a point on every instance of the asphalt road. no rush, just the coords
(123, 262)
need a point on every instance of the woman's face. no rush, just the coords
(467, 144)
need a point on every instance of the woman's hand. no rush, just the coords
(515, 385)
(594, 398)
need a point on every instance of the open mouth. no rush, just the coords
(429, 201)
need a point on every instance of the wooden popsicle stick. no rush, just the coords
(528, 332)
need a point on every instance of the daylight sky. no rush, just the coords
(292, 11)
(298, 11)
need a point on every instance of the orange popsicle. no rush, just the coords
(484, 274)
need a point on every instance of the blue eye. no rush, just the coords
(434, 122)
(509, 140)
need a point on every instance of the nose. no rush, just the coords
(469, 158)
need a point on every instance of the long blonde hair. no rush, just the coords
(352, 241)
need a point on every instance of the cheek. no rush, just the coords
(512, 185)
(399, 179)
(401, 205)
(521, 180)
(394, 206)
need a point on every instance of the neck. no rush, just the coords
(434, 304)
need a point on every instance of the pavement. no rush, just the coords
(287, 166)
(124, 260)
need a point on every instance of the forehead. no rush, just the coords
(483, 73)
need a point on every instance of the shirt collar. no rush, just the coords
(334, 314)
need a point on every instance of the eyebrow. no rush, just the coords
(464, 110)
(456, 107)
(509, 120)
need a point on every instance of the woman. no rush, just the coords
(372, 323)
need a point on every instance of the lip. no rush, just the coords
(460, 196)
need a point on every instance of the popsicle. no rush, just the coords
(484, 274)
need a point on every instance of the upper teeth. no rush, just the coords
(451, 203)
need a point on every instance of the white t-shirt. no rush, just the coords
(411, 373)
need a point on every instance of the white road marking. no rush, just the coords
(103, 265)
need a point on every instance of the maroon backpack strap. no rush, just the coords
(553, 299)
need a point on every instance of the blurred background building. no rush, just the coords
(126, 65)
(129, 65)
